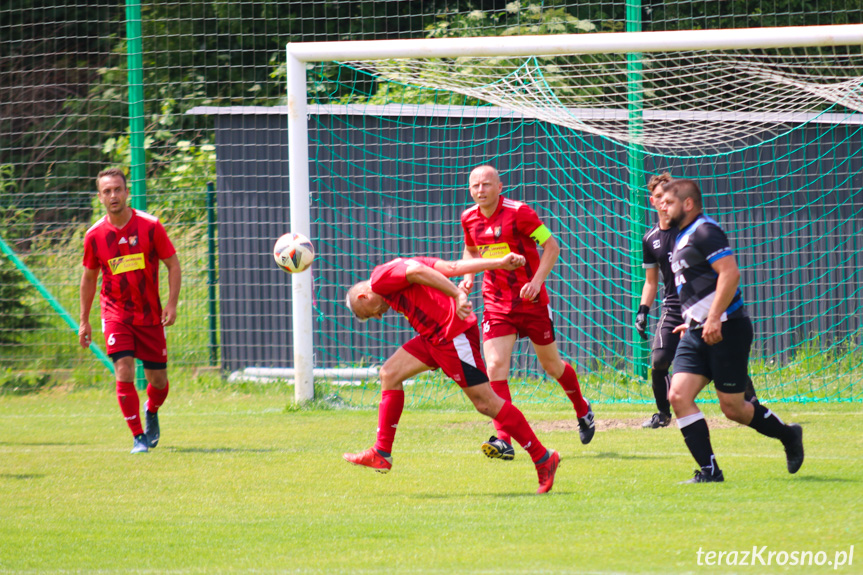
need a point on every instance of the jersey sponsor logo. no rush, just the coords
(679, 265)
(490, 251)
(123, 264)
(656, 244)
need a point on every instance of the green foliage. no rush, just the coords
(16, 314)
(687, 15)
(14, 383)
(516, 19)
(185, 167)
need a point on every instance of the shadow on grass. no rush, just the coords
(498, 495)
(221, 450)
(824, 479)
(41, 443)
(615, 455)
(21, 476)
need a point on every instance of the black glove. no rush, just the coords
(641, 321)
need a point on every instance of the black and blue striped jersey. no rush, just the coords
(696, 248)
(657, 245)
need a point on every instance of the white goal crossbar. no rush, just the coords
(299, 54)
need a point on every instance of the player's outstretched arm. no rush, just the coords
(471, 266)
(428, 276)
(466, 284)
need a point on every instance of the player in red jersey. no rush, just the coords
(516, 301)
(126, 246)
(448, 339)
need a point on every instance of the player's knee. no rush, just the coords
(484, 407)
(124, 369)
(661, 360)
(554, 368)
(677, 399)
(735, 410)
(487, 404)
(158, 380)
(389, 380)
(496, 365)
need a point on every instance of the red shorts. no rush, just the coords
(533, 321)
(460, 359)
(146, 341)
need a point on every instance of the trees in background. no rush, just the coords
(63, 68)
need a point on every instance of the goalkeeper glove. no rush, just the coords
(641, 321)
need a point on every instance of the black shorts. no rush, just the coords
(664, 337)
(726, 362)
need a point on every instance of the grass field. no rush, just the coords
(240, 484)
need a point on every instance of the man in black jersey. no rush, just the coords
(657, 245)
(717, 335)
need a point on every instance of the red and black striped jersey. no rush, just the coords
(129, 260)
(513, 227)
(430, 312)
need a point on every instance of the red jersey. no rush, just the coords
(429, 311)
(513, 227)
(129, 259)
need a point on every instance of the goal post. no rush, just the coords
(301, 54)
(301, 283)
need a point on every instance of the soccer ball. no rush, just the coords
(294, 253)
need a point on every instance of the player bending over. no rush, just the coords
(448, 339)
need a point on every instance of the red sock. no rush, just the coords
(130, 405)
(511, 419)
(569, 382)
(156, 397)
(501, 388)
(389, 411)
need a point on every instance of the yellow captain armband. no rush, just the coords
(540, 235)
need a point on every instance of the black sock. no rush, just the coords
(766, 423)
(697, 438)
(659, 379)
